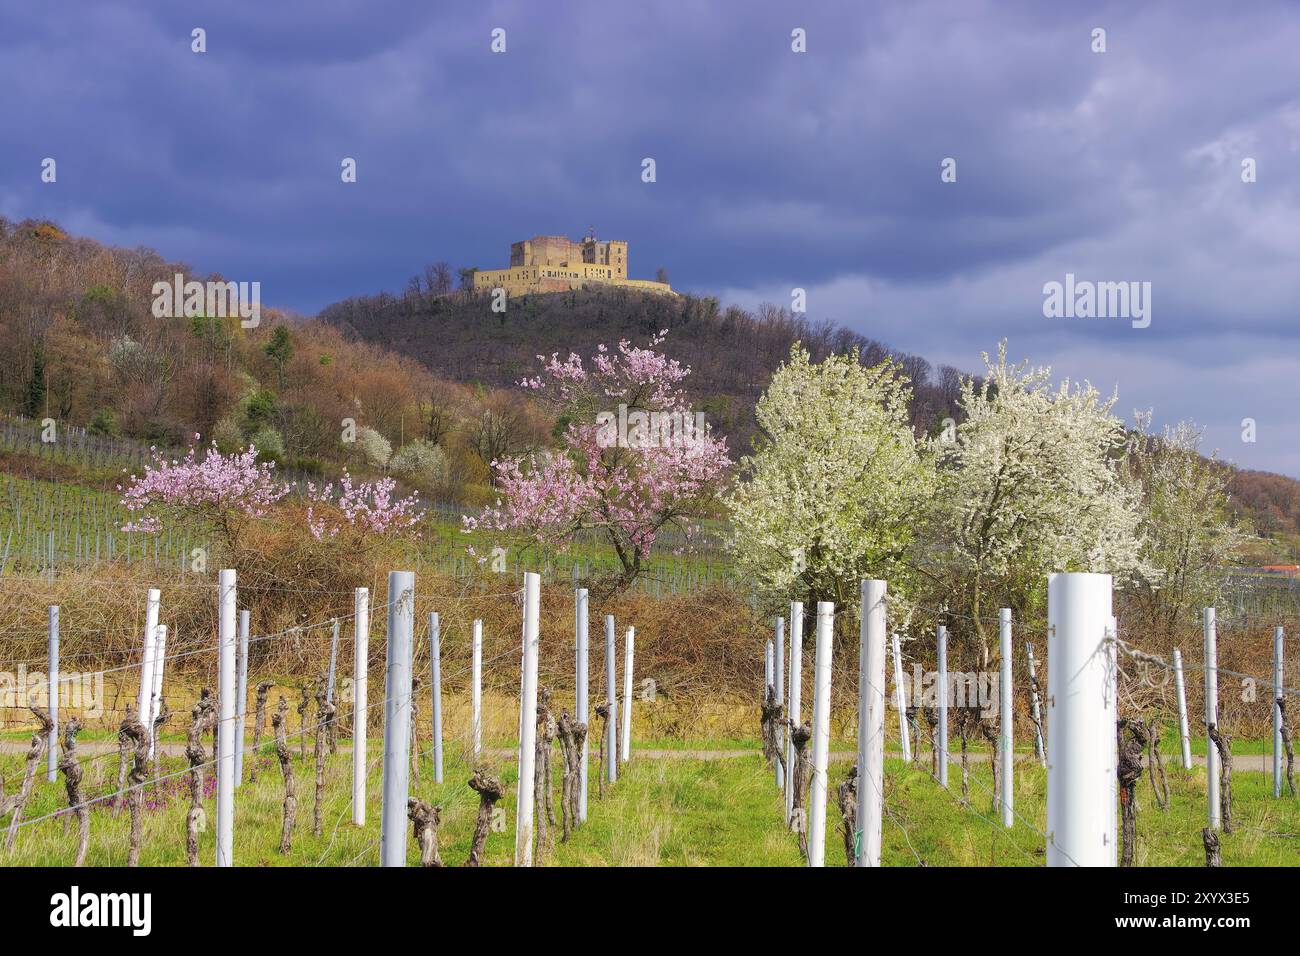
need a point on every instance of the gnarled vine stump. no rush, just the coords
(202, 716)
(424, 823)
(36, 752)
(286, 768)
(72, 773)
(489, 789)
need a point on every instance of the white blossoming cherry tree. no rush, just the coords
(1031, 483)
(836, 487)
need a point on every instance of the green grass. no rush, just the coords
(669, 811)
(1170, 744)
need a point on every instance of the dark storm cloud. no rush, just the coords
(775, 170)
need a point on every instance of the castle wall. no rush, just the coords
(556, 264)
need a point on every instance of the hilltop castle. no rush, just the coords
(557, 264)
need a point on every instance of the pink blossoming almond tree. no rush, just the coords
(359, 514)
(223, 493)
(633, 459)
(220, 493)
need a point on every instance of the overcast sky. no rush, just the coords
(775, 169)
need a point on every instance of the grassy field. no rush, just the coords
(680, 811)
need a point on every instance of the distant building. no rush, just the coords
(557, 264)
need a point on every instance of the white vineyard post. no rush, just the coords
(1036, 708)
(1277, 711)
(143, 702)
(527, 723)
(1181, 688)
(629, 644)
(871, 724)
(159, 668)
(1214, 813)
(942, 737)
(435, 678)
(52, 676)
(226, 611)
(360, 705)
(333, 668)
(821, 735)
(778, 645)
(900, 701)
(1006, 728)
(1081, 781)
(476, 689)
(768, 679)
(397, 718)
(611, 693)
(241, 696)
(767, 671)
(796, 692)
(580, 703)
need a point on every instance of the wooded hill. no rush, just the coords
(732, 352)
(79, 343)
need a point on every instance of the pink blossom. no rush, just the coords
(630, 493)
(218, 487)
(366, 508)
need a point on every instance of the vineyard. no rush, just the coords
(75, 518)
(181, 749)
